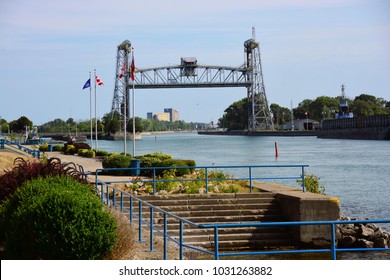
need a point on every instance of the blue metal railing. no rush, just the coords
(109, 193)
(19, 148)
(250, 171)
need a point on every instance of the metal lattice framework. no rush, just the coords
(259, 115)
(120, 102)
(190, 74)
(178, 76)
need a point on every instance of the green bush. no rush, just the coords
(164, 160)
(58, 148)
(70, 150)
(101, 153)
(86, 153)
(55, 218)
(312, 184)
(44, 147)
(117, 161)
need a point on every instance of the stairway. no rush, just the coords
(221, 209)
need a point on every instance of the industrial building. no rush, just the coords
(169, 114)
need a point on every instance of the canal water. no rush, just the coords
(356, 171)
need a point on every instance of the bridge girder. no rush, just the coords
(201, 76)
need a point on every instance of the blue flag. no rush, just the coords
(87, 84)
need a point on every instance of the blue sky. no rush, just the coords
(308, 48)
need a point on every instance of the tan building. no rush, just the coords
(159, 116)
(173, 114)
(170, 115)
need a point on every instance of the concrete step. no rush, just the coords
(219, 209)
(244, 244)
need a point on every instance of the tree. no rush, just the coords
(138, 125)
(366, 105)
(281, 114)
(235, 116)
(323, 107)
(111, 124)
(20, 124)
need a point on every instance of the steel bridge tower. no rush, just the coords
(120, 102)
(259, 115)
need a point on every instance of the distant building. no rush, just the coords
(173, 114)
(302, 124)
(158, 116)
(170, 115)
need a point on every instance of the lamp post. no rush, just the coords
(307, 121)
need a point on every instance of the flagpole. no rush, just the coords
(90, 107)
(133, 99)
(96, 136)
(125, 113)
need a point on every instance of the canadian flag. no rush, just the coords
(99, 82)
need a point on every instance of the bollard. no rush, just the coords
(276, 149)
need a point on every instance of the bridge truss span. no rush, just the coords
(201, 76)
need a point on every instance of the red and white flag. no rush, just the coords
(99, 82)
(132, 68)
(122, 72)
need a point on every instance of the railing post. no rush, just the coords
(333, 238)
(154, 180)
(216, 244)
(140, 222)
(131, 210)
(303, 179)
(207, 179)
(250, 179)
(121, 207)
(114, 197)
(107, 195)
(181, 240)
(151, 231)
(165, 237)
(102, 192)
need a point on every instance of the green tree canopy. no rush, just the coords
(235, 116)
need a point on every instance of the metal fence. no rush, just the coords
(14, 146)
(248, 173)
(110, 195)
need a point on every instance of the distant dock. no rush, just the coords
(260, 132)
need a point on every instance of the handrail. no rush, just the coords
(250, 177)
(34, 153)
(105, 197)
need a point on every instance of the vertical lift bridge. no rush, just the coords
(190, 74)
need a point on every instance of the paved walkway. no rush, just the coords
(89, 164)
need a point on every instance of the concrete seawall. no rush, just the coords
(304, 206)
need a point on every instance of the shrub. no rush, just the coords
(312, 184)
(24, 170)
(164, 160)
(167, 186)
(86, 153)
(56, 218)
(70, 150)
(100, 153)
(71, 147)
(44, 147)
(58, 148)
(117, 161)
(81, 145)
